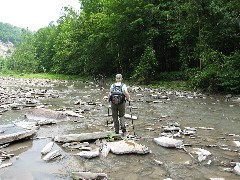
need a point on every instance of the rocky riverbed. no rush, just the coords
(52, 129)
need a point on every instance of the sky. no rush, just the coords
(33, 14)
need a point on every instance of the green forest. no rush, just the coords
(9, 33)
(197, 41)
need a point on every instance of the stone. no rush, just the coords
(237, 143)
(46, 116)
(82, 136)
(8, 138)
(129, 116)
(168, 142)
(127, 147)
(73, 114)
(89, 175)
(89, 154)
(47, 148)
(202, 154)
(51, 155)
(237, 169)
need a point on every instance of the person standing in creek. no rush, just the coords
(118, 95)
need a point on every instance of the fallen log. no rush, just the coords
(82, 137)
(8, 138)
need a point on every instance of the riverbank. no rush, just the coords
(173, 84)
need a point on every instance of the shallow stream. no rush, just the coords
(216, 119)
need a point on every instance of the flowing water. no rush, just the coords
(217, 123)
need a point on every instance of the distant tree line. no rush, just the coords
(142, 39)
(9, 33)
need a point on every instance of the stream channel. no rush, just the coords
(215, 120)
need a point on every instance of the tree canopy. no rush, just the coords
(141, 39)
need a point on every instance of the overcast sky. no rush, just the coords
(33, 14)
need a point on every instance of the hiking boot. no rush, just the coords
(124, 130)
(124, 134)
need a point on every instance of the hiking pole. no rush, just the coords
(108, 113)
(132, 119)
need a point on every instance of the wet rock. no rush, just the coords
(76, 145)
(202, 154)
(71, 113)
(47, 148)
(30, 103)
(127, 147)
(237, 169)
(8, 138)
(105, 149)
(16, 106)
(168, 142)
(206, 128)
(89, 154)
(27, 125)
(51, 155)
(82, 136)
(5, 165)
(89, 175)
(150, 129)
(46, 116)
(171, 128)
(188, 132)
(237, 143)
(158, 162)
(129, 116)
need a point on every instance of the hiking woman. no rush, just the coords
(118, 96)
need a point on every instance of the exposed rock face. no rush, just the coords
(6, 48)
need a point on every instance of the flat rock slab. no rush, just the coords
(89, 175)
(82, 137)
(46, 116)
(168, 142)
(127, 147)
(14, 133)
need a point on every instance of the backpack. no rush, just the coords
(117, 95)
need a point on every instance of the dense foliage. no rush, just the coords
(12, 33)
(141, 39)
